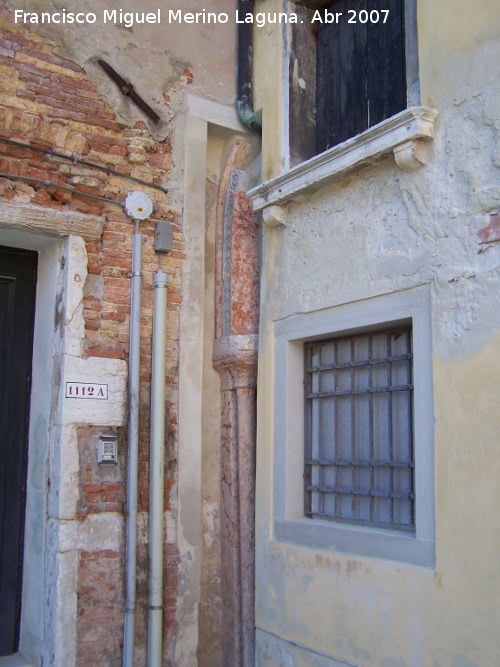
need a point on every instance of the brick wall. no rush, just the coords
(100, 608)
(48, 102)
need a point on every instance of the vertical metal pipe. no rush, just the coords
(156, 471)
(133, 441)
(244, 104)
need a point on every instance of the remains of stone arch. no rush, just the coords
(235, 358)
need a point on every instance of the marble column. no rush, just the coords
(235, 358)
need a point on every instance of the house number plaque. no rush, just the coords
(87, 390)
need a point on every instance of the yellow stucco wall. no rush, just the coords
(370, 612)
(268, 86)
(452, 36)
(382, 231)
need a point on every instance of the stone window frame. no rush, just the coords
(299, 76)
(290, 525)
(406, 136)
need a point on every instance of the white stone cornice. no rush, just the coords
(412, 129)
(214, 112)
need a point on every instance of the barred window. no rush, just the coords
(359, 454)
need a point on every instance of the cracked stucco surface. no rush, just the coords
(384, 230)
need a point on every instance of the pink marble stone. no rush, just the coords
(235, 358)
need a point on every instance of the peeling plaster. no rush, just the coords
(154, 57)
(411, 229)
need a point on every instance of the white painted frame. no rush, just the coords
(33, 603)
(191, 137)
(289, 522)
(406, 135)
(53, 534)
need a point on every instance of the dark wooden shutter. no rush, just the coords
(340, 80)
(386, 69)
(360, 71)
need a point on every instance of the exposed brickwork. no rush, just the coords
(48, 102)
(170, 592)
(100, 609)
(170, 589)
(490, 233)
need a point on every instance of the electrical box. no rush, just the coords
(107, 450)
(163, 237)
(138, 205)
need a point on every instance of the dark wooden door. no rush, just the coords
(17, 305)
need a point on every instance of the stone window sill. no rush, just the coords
(356, 540)
(406, 135)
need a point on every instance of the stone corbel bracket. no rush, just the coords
(405, 136)
(274, 216)
(412, 155)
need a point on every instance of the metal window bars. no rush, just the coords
(359, 459)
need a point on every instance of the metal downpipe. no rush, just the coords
(156, 471)
(133, 442)
(244, 104)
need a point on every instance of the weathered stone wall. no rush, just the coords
(48, 102)
(153, 56)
